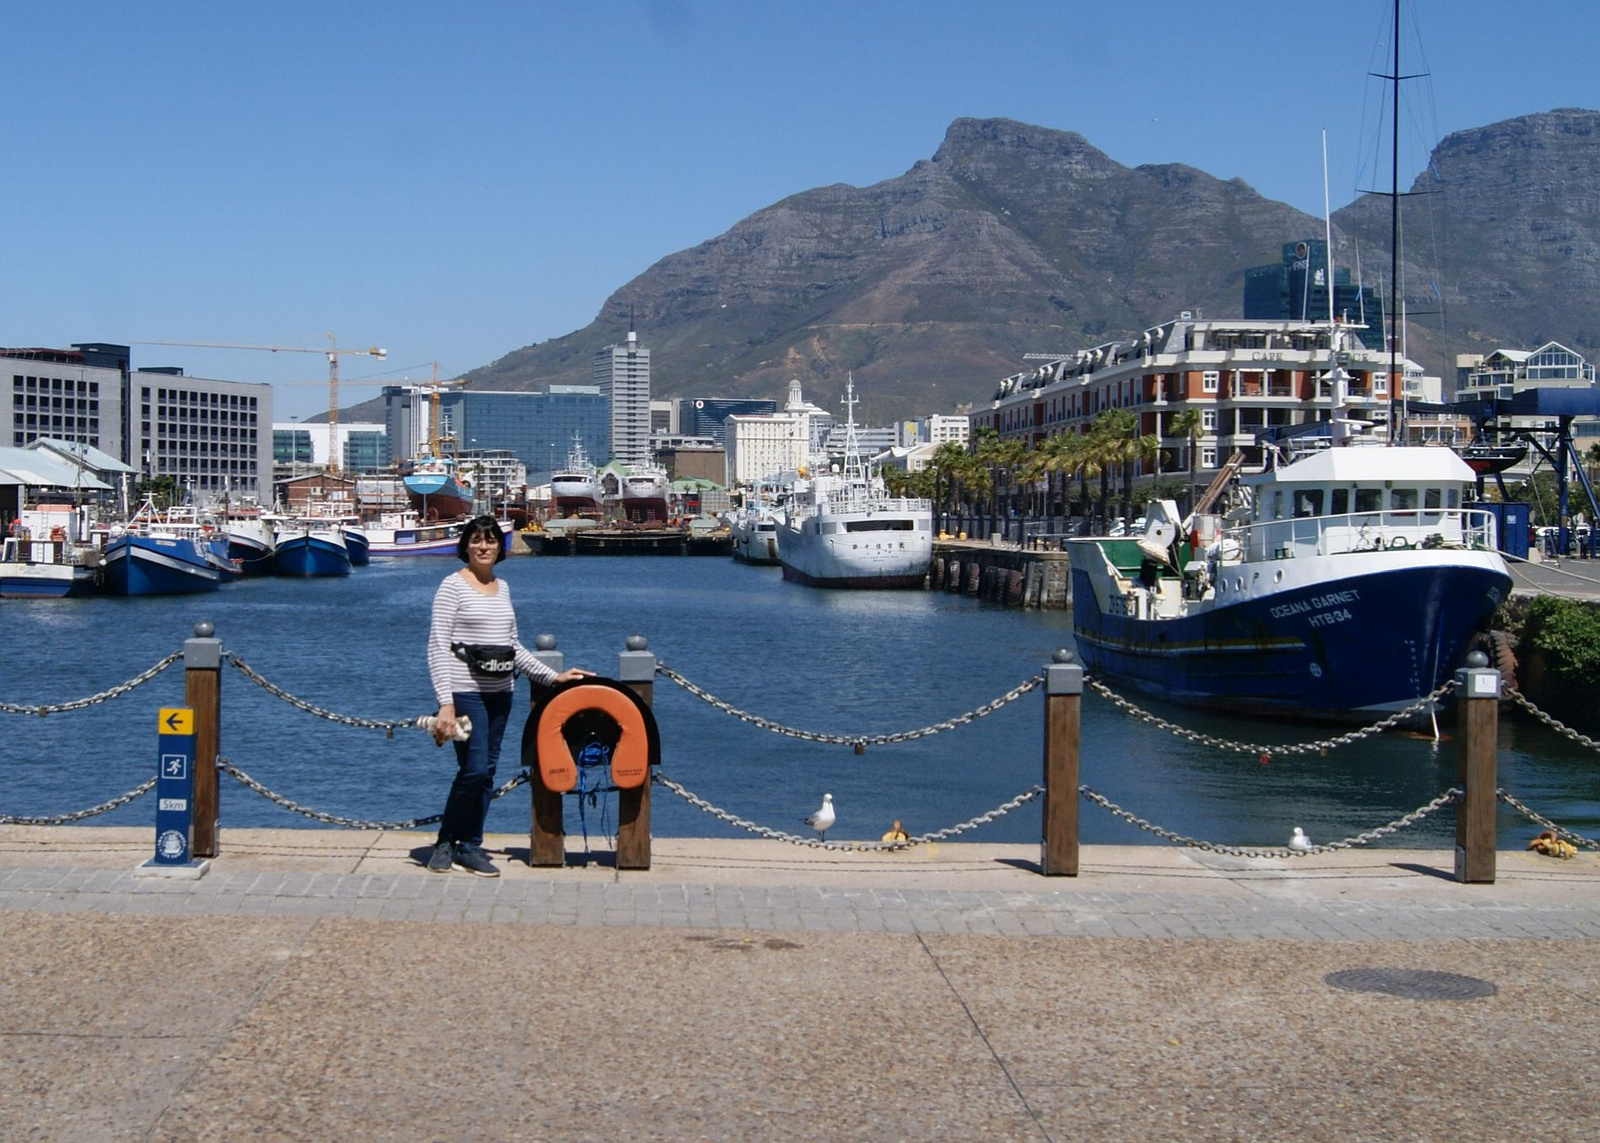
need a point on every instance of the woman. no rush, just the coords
(473, 661)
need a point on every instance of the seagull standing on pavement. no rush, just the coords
(1299, 841)
(823, 818)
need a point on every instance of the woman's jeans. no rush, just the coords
(471, 792)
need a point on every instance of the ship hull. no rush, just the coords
(857, 550)
(158, 565)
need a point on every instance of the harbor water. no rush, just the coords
(832, 662)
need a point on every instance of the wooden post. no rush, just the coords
(1063, 696)
(547, 837)
(202, 693)
(1478, 693)
(636, 668)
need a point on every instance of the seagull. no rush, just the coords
(823, 818)
(1298, 840)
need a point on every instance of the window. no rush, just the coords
(1208, 457)
(1308, 502)
(1209, 381)
(1208, 420)
(1403, 500)
(1341, 501)
(1380, 382)
(1369, 500)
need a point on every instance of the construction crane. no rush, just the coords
(431, 388)
(333, 353)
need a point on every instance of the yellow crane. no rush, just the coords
(333, 353)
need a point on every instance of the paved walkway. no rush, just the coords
(320, 985)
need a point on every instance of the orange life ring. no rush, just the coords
(604, 701)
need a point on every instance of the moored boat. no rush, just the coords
(575, 489)
(311, 546)
(403, 534)
(644, 496)
(845, 530)
(48, 569)
(754, 529)
(1350, 587)
(156, 562)
(250, 540)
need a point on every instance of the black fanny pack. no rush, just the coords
(486, 660)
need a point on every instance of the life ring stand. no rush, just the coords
(593, 708)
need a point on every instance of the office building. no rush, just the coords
(1296, 288)
(538, 429)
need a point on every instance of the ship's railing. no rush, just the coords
(1478, 691)
(1391, 529)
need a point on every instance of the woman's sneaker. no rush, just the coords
(439, 860)
(474, 860)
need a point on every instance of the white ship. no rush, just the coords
(575, 489)
(843, 529)
(754, 529)
(644, 495)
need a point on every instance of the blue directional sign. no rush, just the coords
(175, 787)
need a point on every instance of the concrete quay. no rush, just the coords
(320, 984)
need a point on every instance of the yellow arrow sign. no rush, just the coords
(175, 720)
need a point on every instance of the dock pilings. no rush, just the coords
(202, 693)
(1063, 697)
(1478, 729)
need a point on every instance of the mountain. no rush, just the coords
(1014, 239)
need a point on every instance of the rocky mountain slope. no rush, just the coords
(1014, 239)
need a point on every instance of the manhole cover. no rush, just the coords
(1411, 983)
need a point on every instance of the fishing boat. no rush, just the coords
(405, 534)
(249, 539)
(1348, 583)
(48, 569)
(575, 489)
(845, 530)
(1487, 458)
(310, 546)
(152, 561)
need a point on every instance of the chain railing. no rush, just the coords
(859, 741)
(387, 725)
(1316, 747)
(1549, 720)
(42, 709)
(78, 815)
(846, 846)
(1560, 831)
(277, 799)
(1366, 838)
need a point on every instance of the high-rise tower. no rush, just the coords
(623, 374)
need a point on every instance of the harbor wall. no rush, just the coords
(1001, 573)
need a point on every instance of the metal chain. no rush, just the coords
(1412, 818)
(103, 696)
(386, 725)
(1393, 720)
(1560, 831)
(1551, 721)
(856, 740)
(847, 846)
(349, 823)
(62, 819)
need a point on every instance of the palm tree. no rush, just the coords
(1187, 424)
(1112, 434)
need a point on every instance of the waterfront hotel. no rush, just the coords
(1244, 378)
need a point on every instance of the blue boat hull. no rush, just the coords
(310, 556)
(1353, 647)
(157, 565)
(357, 544)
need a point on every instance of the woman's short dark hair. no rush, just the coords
(481, 526)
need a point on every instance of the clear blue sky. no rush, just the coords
(454, 181)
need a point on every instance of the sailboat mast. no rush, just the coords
(1396, 408)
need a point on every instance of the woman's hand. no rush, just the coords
(444, 724)
(571, 673)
